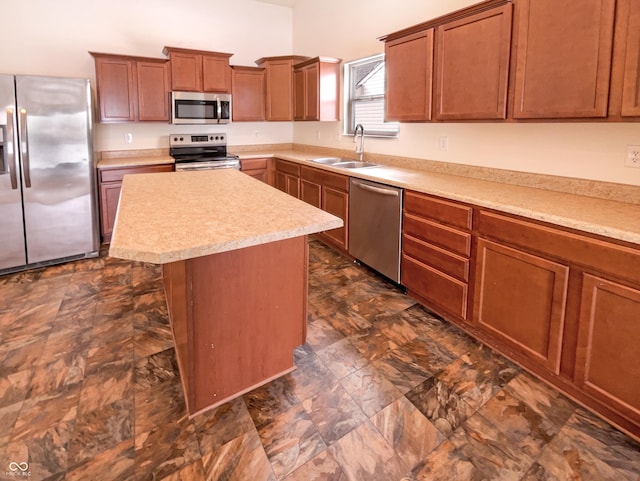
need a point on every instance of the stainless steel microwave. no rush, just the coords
(200, 108)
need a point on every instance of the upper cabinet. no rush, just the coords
(631, 75)
(199, 70)
(563, 58)
(131, 88)
(455, 67)
(248, 93)
(472, 65)
(279, 86)
(317, 89)
(409, 70)
(514, 60)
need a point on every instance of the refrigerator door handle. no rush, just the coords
(10, 152)
(24, 148)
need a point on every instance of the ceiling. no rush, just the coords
(284, 3)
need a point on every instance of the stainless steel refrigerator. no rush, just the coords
(47, 176)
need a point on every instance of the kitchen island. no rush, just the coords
(235, 263)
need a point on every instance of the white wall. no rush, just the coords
(348, 29)
(54, 37)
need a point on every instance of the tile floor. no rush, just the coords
(384, 391)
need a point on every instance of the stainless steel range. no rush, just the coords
(201, 152)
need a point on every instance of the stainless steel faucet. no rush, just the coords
(358, 139)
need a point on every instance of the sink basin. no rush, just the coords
(354, 164)
(327, 160)
(343, 163)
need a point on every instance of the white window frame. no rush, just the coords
(350, 100)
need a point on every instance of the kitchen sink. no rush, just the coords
(343, 163)
(354, 164)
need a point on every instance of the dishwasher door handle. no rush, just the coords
(378, 190)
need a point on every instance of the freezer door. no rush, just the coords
(12, 244)
(58, 180)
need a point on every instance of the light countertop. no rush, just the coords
(618, 220)
(119, 162)
(166, 217)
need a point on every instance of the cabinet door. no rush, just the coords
(337, 203)
(563, 58)
(153, 90)
(607, 357)
(109, 197)
(631, 86)
(186, 71)
(472, 66)
(299, 94)
(116, 85)
(310, 192)
(520, 299)
(293, 186)
(280, 181)
(279, 100)
(216, 74)
(248, 93)
(312, 92)
(409, 70)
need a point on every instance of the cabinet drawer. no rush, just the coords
(253, 164)
(451, 264)
(450, 213)
(115, 175)
(570, 247)
(325, 178)
(442, 236)
(441, 291)
(287, 167)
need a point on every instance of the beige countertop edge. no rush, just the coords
(616, 220)
(128, 253)
(135, 161)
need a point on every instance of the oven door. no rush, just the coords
(200, 108)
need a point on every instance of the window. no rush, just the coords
(364, 86)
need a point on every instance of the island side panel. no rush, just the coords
(248, 312)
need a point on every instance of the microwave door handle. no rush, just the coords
(24, 148)
(219, 103)
(9, 151)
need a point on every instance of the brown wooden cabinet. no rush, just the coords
(607, 359)
(279, 86)
(472, 66)
(110, 183)
(256, 168)
(317, 89)
(131, 89)
(520, 298)
(631, 75)
(248, 89)
(199, 70)
(287, 177)
(436, 245)
(330, 192)
(409, 71)
(563, 55)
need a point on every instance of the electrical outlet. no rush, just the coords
(128, 138)
(633, 156)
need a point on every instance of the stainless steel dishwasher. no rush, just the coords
(375, 225)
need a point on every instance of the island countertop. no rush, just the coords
(173, 216)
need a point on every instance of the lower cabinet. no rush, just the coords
(520, 298)
(110, 183)
(607, 356)
(330, 192)
(562, 304)
(436, 245)
(287, 177)
(256, 168)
